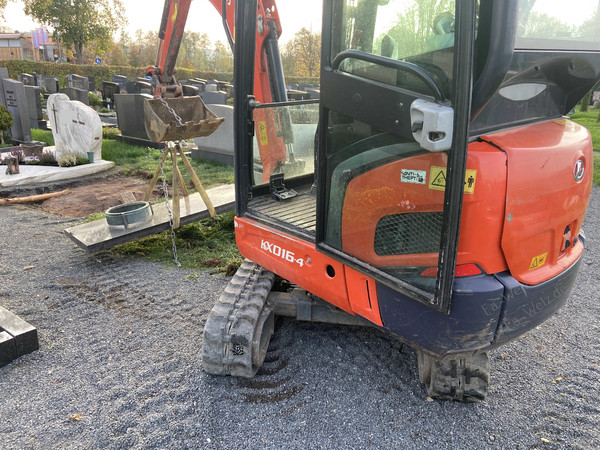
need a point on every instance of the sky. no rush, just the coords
(203, 17)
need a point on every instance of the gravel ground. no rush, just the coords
(119, 366)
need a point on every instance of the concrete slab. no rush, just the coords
(47, 174)
(98, 235)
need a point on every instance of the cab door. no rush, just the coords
(394, 116)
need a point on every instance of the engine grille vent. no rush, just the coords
(409, 233)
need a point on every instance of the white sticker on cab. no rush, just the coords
(413, 176)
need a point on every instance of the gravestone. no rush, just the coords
(210, 87)
(315, 93)
(224, 86)
(92, 84)
(120, 80)
(27, 79)
(190, 90)
(3, 75)
(294, 94)
(17, 337)
(130, 114)
(197, 83)
(34, 107)
(228, 88)
(214, 98)
(109, 89)
(76, 127)
(80, 95)
(49, 83)
(139, 87)
(15, 101)
(79, 82)
(219, 145)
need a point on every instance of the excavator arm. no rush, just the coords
(269, 80)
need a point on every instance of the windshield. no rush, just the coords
(418, 32)
(558, 25)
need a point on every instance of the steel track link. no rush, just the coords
(239, 327)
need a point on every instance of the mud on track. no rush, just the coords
(119, 365)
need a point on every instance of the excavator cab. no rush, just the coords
(442, 192)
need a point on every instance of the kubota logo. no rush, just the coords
(282, 253)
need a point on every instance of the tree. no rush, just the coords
(143, 49)
(303, 53)
(81, 21)
(222, 59)
(194, 51)
(413, 29)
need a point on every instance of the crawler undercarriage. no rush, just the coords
(239, 328)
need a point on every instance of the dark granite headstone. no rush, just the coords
(138, 87)
(77, 81)
(77, 94)
(92, 84)
(15, 101)
(3, 75)
(200, 84)
(27, 79)
(130, 114)
(17, 337)
(294, 94)
(109, 89)
(50, 84)
(315, 93)
(34, 106)
(121, 80)
(214, 98)
(189, 90)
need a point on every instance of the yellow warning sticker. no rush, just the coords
(437, 179)
(538, 261)
(262, 133)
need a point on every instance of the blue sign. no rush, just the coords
(98, 61)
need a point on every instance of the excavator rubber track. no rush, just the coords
(240, 325)
(461, 379)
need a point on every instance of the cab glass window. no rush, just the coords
(417, 32)
(558, 25)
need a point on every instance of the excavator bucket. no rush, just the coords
(175, 119)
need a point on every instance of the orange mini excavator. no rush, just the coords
(435, 190)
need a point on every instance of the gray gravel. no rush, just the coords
(121, 340)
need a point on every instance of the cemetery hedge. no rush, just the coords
(105, 73)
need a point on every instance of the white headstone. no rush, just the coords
(76, 127)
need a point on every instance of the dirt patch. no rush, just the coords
(97, 197)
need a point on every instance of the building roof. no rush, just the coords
(12, 36)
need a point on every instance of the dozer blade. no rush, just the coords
(162, 124)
